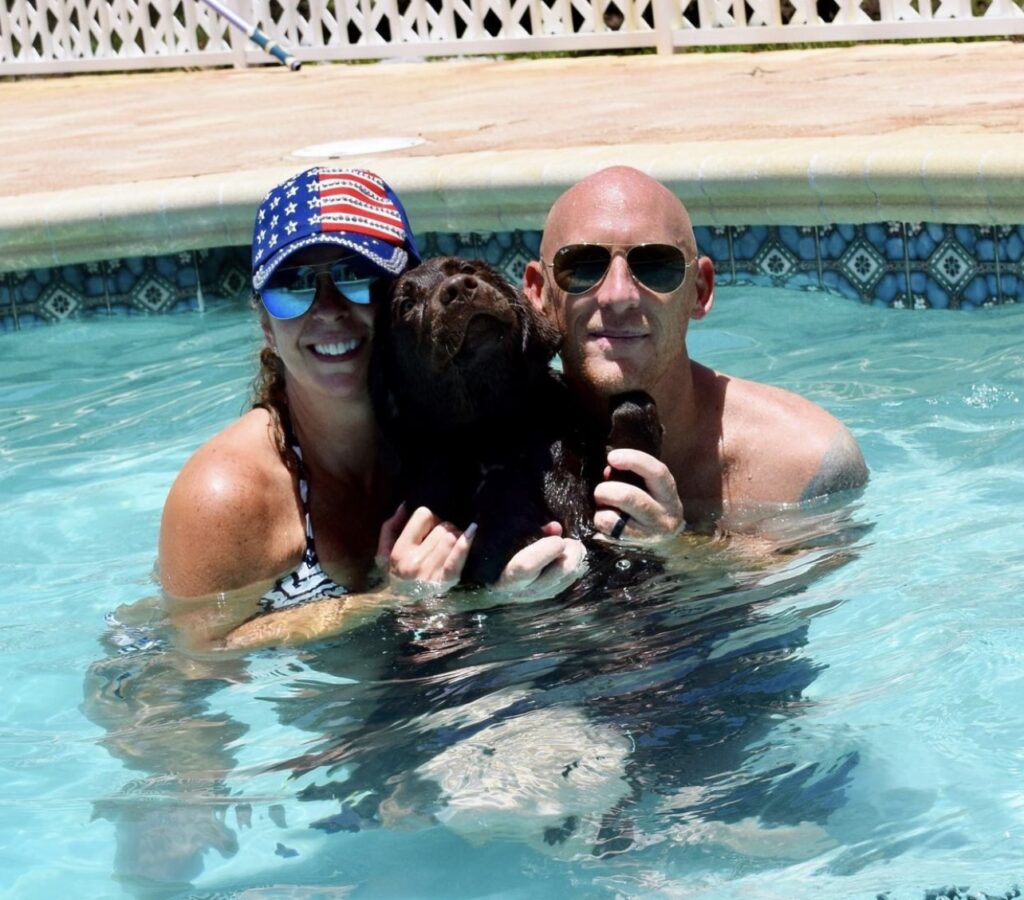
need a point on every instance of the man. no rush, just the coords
(620, 275)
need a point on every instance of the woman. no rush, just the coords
(271, 530)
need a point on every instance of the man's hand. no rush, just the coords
(626, 511)
(423, 554)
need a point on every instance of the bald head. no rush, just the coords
(620, 333)
(618, 205)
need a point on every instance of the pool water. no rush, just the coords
(839, 717)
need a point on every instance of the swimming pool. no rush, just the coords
(843, 717)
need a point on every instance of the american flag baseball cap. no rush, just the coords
(352, 208)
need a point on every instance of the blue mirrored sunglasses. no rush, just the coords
(290, 292)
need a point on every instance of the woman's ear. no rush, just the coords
(704, 287)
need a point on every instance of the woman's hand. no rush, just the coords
(626, 511)
(425, 555)
(422, 554)
(544, 568)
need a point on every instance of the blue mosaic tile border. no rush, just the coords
(123, 287)
(897, 264)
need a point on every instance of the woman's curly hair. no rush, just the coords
(268, 392)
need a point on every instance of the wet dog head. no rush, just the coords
(458, 344)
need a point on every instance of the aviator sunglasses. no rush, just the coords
(290, 292)
(658, 267)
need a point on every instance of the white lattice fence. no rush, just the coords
(64, 35)
(67, 35)
(720, 22)
(373, 28)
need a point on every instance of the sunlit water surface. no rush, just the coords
(840, 717)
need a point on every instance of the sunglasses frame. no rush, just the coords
(624, 250)
(356, 290)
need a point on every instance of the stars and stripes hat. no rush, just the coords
(352, 208)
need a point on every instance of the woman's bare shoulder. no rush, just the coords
(225, 513)
(235, 466)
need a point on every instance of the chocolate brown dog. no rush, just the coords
(486, 431)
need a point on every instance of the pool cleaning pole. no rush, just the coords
(254, 34)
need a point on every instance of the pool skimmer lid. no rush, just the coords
(358, 147)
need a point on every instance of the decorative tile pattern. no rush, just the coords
(863, 265)
(1008, 245)
(908, 265)
(508, 251)
(8, 322)
(138, 286)
(716, 242)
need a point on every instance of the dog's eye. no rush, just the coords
(468, 269)
(405, 305)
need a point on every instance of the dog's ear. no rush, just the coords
(541, 337)
(402, 295)
(382, 294)
(381, 291)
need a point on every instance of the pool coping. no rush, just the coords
(901, 148)
(756, 182)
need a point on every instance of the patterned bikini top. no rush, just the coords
(308, 581)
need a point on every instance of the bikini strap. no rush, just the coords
(310, 556)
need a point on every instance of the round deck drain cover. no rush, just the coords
(359, 147)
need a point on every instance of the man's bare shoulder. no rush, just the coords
(785, 448)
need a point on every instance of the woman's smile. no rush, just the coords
(338, 349)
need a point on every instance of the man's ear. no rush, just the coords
(704, 287)
(533, 286)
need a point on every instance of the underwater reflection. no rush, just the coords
(636, 710)
(153, 705)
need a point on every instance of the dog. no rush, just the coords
(486, 430)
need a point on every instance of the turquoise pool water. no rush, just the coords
(841, 717)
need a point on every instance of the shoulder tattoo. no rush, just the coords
(841, 468)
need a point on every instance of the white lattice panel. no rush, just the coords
(61, 35)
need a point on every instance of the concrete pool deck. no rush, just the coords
(104, 166)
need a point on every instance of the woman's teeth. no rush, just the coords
(337, 349)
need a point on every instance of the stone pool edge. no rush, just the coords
(916, 176)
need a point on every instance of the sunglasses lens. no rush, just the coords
(286, 303)
(349, 283)
(291, 292)
(356, 291)
(660, 267)
(578, 267)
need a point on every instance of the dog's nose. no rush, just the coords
(458, 286)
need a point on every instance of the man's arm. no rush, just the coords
(842, 468)
(780, 447)
(775, 447)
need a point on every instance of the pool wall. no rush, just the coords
(917, 265)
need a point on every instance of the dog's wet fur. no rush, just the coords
(485, 430)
